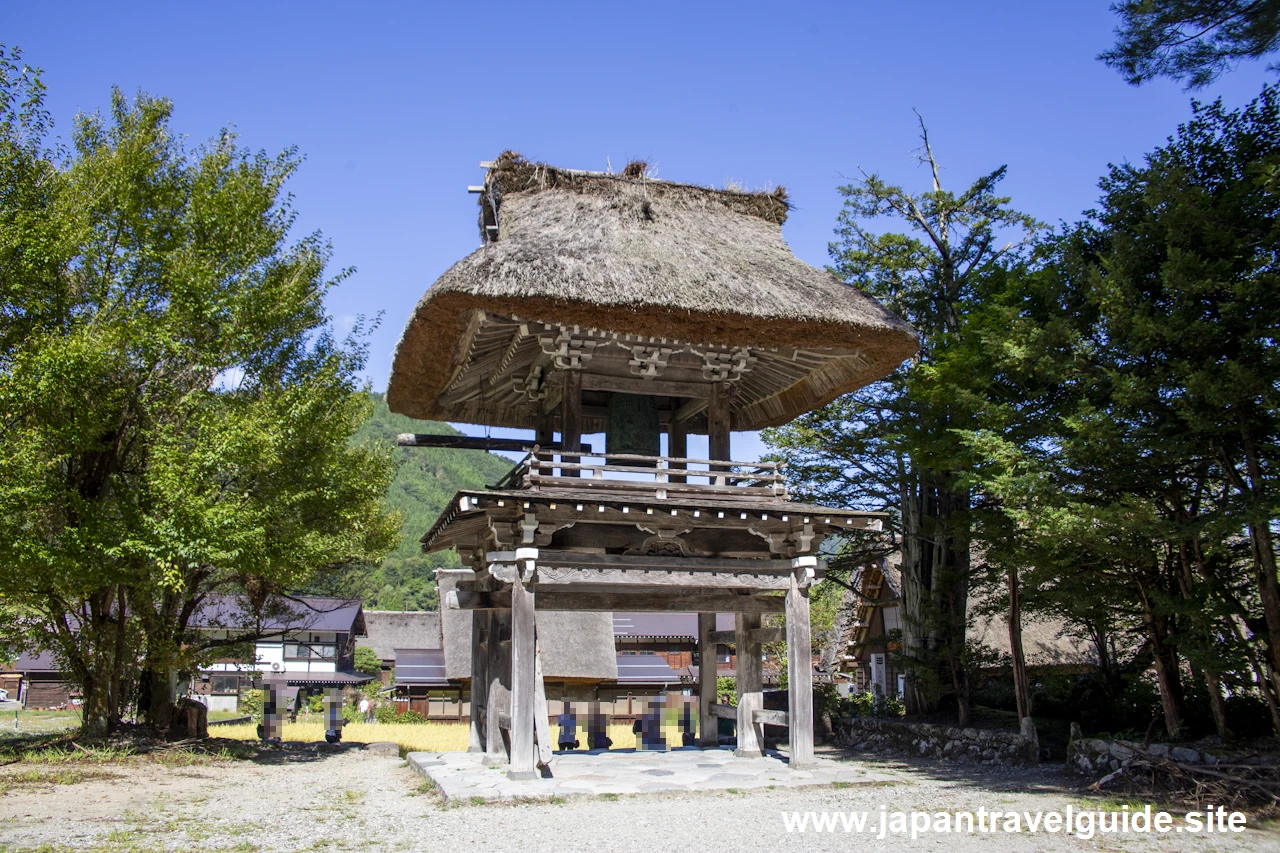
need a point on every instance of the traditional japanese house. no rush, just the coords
(301, 643)
(36, 680)
(643, 309)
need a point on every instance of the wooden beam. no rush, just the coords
(498, 695)
(601, 579)
(523, 672)
(766, 717)
(677, 447)
(750, 683)
(799, 675)
(571, 412)
(469, 442)
(479, 679)
(557, 559)
(648, 387)
(708, 730)
(724, 712)
(541, 720)
(576, 600)
(718, 423)
(689, 410)
(760, 635)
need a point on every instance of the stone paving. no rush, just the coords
(460, 776)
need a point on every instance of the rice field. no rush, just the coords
(410, 737)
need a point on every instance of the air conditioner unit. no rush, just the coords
(276, 667)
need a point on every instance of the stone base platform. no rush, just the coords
(460, 776)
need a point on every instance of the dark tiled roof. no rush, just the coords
(304, 613)
(664, 625)
(36, 662)
(335, 679)
(420, 666)
(645, 669)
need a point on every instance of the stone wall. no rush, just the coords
(964, 746)
(1099, 756)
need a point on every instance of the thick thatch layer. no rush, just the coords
(646, 257)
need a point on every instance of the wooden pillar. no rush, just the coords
(708, 725)
(498, 696)
(523, 673)
(678, 445)
(571, 416)
(750, 687)
(479, 678)
(799, 674)
(544, 436)
(718, 422)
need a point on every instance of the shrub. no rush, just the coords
(386, 714)
(251, 703)
(411, 717)
(367, 661)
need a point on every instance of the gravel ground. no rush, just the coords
(357, 801)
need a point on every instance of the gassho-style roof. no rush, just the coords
(388, 630)
(646, 278)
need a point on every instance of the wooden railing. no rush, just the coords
(658, 476)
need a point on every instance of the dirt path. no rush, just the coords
(356, 801)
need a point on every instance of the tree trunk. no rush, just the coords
(1264, 559)
(1217, 703)
(1166, 663)
(1021, 694)
(915, 585)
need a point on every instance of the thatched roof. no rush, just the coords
(1044, 642)
(629, 254)
(574, 645)
(388, 630)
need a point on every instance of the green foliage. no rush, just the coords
(386, 713)
(893, 446)
(1142, 408)
(350, 714)
(367, 661)
(1193, 41)
(425, 480)
(727, 685)
(176, 413)
(251, 703)
(411, 717)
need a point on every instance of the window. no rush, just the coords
(722, 653)
(294, 650)
(224, 684)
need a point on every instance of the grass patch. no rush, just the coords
(59, 776)
(610, 797)
(63, 754)
(841, 785)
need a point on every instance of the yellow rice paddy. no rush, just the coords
(410, 737)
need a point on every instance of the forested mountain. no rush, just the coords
(426, 478)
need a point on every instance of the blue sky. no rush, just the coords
(394, 105)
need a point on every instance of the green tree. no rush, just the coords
(893, 446)
(1193, 41)
(175, 411)
(1158, 452)
(367, 661)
